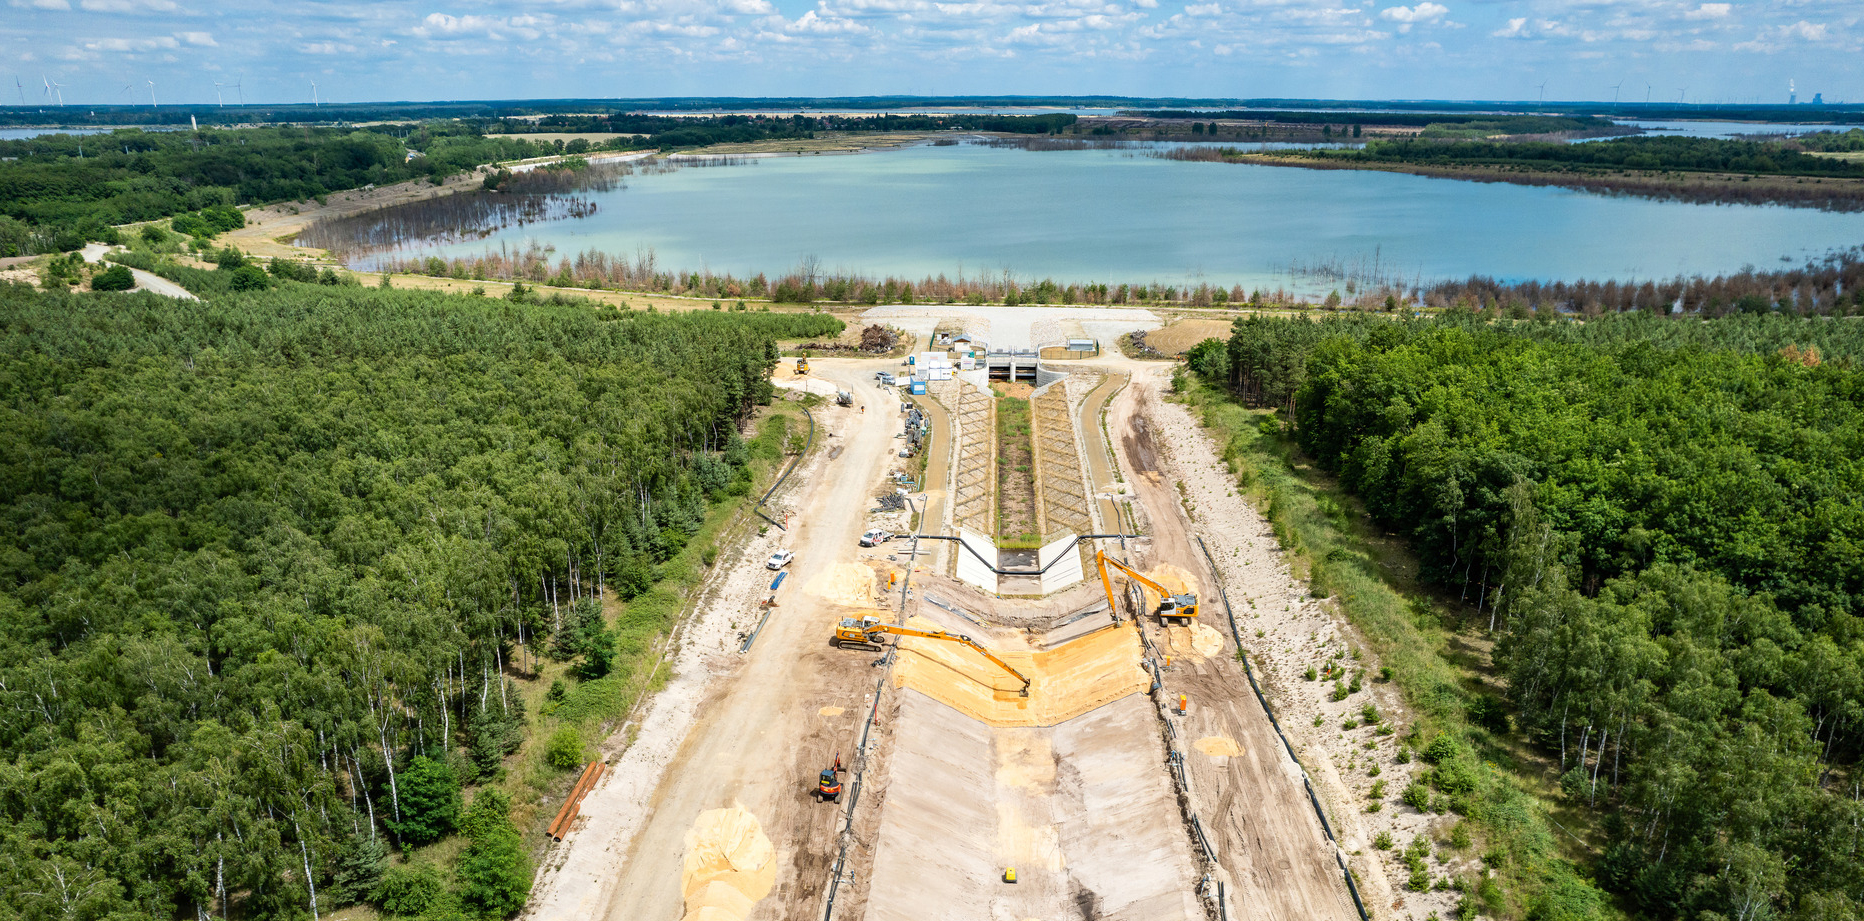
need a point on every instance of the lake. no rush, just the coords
(1120, 216)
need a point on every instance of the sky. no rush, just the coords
(110, 51)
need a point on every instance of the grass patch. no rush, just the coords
(1478, 769)
(1016, 474)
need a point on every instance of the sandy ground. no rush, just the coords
(145, 281)
(720, 736)
(1285, 632)
(1268, 840)
(1082, 811)
(1177, 337)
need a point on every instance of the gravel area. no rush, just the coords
(1286, 632)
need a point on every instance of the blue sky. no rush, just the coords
(1353, 49)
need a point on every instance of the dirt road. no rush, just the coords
(145, 281)
(764, 730)
(1246, 787)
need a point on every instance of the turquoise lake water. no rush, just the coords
(1120, 216)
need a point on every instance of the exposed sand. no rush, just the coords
(1065, 682)
(1218, 746)
(730, 865)
(850, 584)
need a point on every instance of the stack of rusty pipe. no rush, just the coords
(560, 826)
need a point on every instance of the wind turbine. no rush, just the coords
(237, 87)
(313, 94)
(125, 92)
(1647, 89)
(1543, 91)
(1682, 93)
(52, 90)
(1615, 87)
(217, 97)
(21, 87)
(151, 93)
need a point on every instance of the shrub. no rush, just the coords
(430, 802)
(566, 748)
(494, 872)
(1417, 796)
(409, 890)
(250, 278)
(1382, 841)
(114, 278)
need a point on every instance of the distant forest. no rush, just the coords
(328, 113)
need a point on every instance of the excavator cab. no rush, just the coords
(829, 788)
(802, 364)
(856, 632)
(1184, 606)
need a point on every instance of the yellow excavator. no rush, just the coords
(867, 632)
(1170, 606)
(802, 364)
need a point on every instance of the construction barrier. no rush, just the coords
(1326, 827)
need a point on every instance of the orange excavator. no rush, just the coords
(867, 632)
(1170, 606)
(829, 787)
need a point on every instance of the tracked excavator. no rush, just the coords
(802, 363)
(1182, 606)
(867, 632)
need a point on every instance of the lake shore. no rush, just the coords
(1693, 188)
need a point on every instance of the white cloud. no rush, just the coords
(1412, 15)
(1710, 11)
(824, 25)
(130, 45)
(42, 4)
(198, 39)
(1516, 28)
(128, 6)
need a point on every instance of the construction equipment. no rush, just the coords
(829, 787)
(868, 630)
(1170, 606)
(802, 364)
(844, 398)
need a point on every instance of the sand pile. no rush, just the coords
(730, 864)
(1194, 640)
(1218, 746)
(830, 711)
(1066, 681)
(851, 584)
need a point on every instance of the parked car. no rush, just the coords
(780, 559)
(875, 536)
(885, 377)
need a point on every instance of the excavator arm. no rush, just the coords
(1186, 603)
(876, 630)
